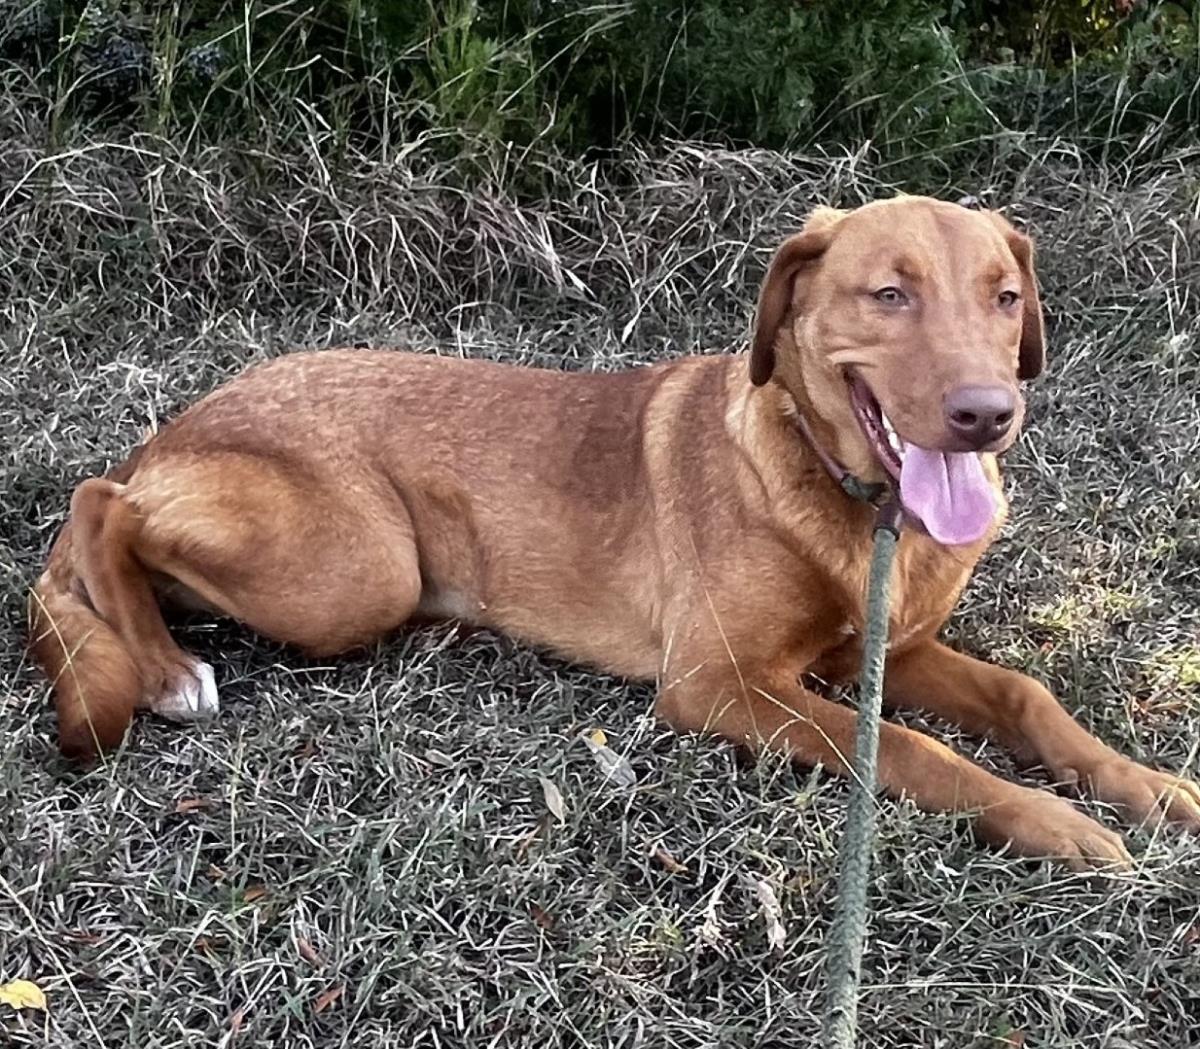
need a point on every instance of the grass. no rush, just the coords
(360, 853)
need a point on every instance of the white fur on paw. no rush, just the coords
(192, 697)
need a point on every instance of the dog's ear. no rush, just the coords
(775, 295)
(1032, 356)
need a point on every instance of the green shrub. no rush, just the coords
(912, 76)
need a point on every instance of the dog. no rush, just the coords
(705, 523)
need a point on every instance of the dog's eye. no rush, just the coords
(890, 296)
(1009, 298)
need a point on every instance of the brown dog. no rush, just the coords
(676, 522)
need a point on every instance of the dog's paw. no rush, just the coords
(190, 694)
(1040, 825)
(1145, 795)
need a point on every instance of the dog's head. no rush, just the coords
(906, 327)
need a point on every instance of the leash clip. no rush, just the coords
(862, 491)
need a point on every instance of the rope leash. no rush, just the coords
(844, 959)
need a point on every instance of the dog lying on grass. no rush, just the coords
(704, 522)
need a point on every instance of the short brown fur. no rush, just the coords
(667, 523)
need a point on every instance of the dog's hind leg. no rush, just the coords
(96, 629)
(325, 563)
(93, 673)
(322, 564)
(173, 683)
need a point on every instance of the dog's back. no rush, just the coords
(324, 498)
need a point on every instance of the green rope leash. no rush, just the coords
(844, 960)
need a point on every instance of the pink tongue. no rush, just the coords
(949, 492)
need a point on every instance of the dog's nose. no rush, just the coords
(980, 414)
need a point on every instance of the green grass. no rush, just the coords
(378, 824)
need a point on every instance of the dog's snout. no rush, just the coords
(980, 415)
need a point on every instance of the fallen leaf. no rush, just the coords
(541, 917)
(21, 994)
(772, 913)
(710, 931)
(669, 862)
(306, 749)
(1015, 1039)
(215, 872)
(542, 825)
(255, 892)
(190, 805)
(236, 1021)
(307, 951)
(91, 939)
(554, 799)
(328, 997)
(616, 768)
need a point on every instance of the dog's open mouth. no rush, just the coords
(948, 492)
(877, 427)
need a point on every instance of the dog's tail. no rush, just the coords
(94, 675)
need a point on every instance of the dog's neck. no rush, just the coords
(848, 462)
(849, 482)
(793, 444)
(831, 430)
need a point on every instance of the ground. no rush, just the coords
(361, 853)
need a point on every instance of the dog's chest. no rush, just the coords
(904, 627)
(926, 584)
(901, 630)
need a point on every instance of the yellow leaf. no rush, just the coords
(21, 994)
(616, 768)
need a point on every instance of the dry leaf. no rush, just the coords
(21, 994)
(190, 805)
(255, 892)
(215, 872)
(710, 931)
(307, 951)
(669, 862)
(328, 997)
(772, 913)
(541, 917)
(554, 799)
(616, 768)
(542, 825)
(1014, 1039)
(91, 939)
(236, 1021)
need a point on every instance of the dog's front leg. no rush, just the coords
(772, 710)
(1021, 714)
